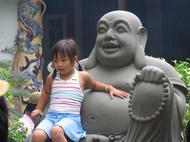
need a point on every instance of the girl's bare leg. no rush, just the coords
(39, 136)
(57, 134)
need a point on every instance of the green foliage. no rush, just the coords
(5, 64)
(187, 115)
(16, 80)
(183, 68)
(17, 131)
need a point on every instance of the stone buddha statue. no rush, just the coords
(155, 107)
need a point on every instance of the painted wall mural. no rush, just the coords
(28, 58)
(8, 28)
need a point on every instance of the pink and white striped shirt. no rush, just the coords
(66, 96)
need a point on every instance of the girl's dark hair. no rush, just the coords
(64, 46)
(3, 120)
(29, 107)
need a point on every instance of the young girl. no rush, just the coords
(65, 86)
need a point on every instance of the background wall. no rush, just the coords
(167, 23)
(8, 24)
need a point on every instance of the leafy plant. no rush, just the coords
(16, 130)
(183, 68)
(16, 81)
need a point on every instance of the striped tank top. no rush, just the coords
(66, 96)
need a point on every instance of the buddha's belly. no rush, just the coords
(102, 115)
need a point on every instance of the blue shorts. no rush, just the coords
(71, 124)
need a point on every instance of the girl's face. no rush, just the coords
(64, 65)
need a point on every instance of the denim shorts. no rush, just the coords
(71, 124)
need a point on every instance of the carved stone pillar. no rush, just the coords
(28, 58)
(30, 35)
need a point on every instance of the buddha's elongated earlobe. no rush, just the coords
(139, 54)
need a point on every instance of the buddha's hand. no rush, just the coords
(151, 74)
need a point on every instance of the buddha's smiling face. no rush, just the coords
(116, 40)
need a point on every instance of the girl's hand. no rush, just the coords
(36, 112)
(115, 92)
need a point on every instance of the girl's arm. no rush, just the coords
(99, 86)
(44, 96)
